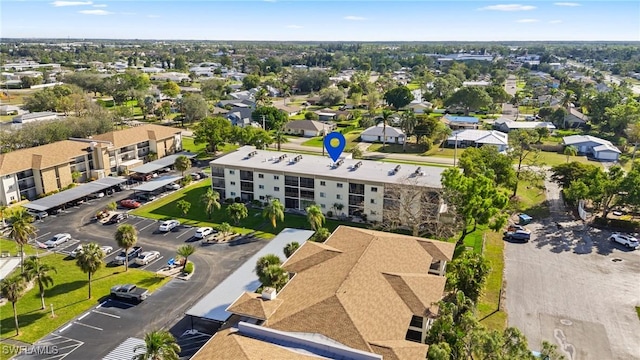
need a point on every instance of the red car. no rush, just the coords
(130, 204)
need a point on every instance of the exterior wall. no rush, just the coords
(374, 201)
(311, 133)
(49, 180)
(332, 195)
(265, 185)
(9, 190)
(64, 174)
(606, 155)
(166, 146)
(390, 139)
(232, 183)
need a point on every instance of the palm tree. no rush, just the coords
(151, 156)
(274, 211)
(386, 114)
(224, 228)
(262, 97)
(21, 230)
(210, 200)
(158, 345)
(338, 208)
(3, 208)
(34, 269)
(112, 206)
(90, 260)
(315, 217)
(126, 237)
(290, 248)
(237, 212)
(12, 289)
(182, 164)
(275, 276)
(408, 123)
(264, 262)
(321, 235)
(570, 151)
(279, 138)
(185, 251)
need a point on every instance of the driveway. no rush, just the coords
(574, 288)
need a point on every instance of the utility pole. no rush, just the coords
(455, 150)
(263, 123)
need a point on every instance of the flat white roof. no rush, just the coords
(213, 305)
(157, 183)
(322, 167)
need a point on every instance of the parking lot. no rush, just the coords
(96, 332)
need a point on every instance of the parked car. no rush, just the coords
(57, 240)
(124, 256)
(145, 196)
(164, 170)
(97, 195)
(168, 225)
(195, 176)
(130, 204)
(38, 215)
(172, 186)
(140, 177)
(106, 250)
(203, 232)
(116, 218)
(129, 292)
(76, 251)
(147, 257)
(627, 240)
(518, 235)
(203, 175)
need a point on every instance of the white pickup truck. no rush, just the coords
(129, 291)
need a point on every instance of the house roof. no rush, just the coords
(578, 139)
(137, 134)
(286, 108)
(240, 112)
(606, 147)
(360, 288)
(254, 306)
(461, 119)
(35, 115)
(378, 130)
(512, 125)
(41, 157)
(489, 137)
(575, 112)
(307, 125)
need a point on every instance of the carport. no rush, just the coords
(155, 184)
(156, 165)
(213, 306)
(78, 192)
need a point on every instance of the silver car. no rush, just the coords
(58, 239)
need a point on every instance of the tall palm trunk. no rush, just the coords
(15, 318)
(21, 258)
(384, 134)
(89, 285)
(41, 293)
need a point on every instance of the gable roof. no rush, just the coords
(41, 157)
(253, 305)
(136, 134)
(361, 288)
(461, 119)
(512, 125)
(307, 125)
(489, 137)
(578, 139)
(378, 130)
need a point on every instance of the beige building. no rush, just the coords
(349, 187)
(362, 294)
(28, 173)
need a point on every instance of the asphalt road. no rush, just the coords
(96, 332)
(574, 288)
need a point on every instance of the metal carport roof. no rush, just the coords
(156, 183)
(72, 194)
(161, 163)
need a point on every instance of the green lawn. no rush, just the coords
(6, 118)
(638, 311)
(488, 312)
(531, 200)
(7, 351)
(166, 208)
(15, 98)
(68, 296)
(413, 86)
(12, 247)
(189, 145)
(411, 148)
(351, 138)
(553, 158)
(445, 152)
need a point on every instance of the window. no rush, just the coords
(373, 201)
(233, 183)
(276, 177)
(323, 206)
(323, 194)
(323, 183)
(260, 186)
(373, 212)
(275, 188)
(261, 197)
(232, 172)
(339, 185)
(374, 189)
(338, 196)
(233, 193)
(260, 176)
(416, 321)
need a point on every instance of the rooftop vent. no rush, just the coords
(252, 154)
(269, 293)
(282, 157)
(357, 165)
(395, 170)
(418, 171)
(338, 163)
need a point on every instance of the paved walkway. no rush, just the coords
(7, 265)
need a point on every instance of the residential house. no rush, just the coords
(378, 133)
(476, 83)
(9, 110)
(237, 103)
(326, 114)
(506, 125)
(172, 76)
(362, 294)
(240, 116)
(308, 128)
(33, 117)
(574, 119)
(548, 100)
(291, 110)
(461, 122)
(420, 107)
(477, 138)
(599, 149)
(244, 95)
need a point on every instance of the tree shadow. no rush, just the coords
(151, 281)
(64, 288)
(109, 275)
(7, 324)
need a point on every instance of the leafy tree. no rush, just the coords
(525, 155)
(195, 108)
(633, 134)
(565, 174)
(237, 212)
(211, 201)
(170, 88)
(213, 89)
(12, 288)
(213, 132)
(180, 62)
(315, 217)
(251, 81)
(250, 135)
(550, 352)
(469, 98)
(224, 228)
(274, 118)
(542, 132)
(558, 117)
(600, 102)
(486, 160)
(274, 211)
(90, 259)
(34, 269)
(408, 122)
(126, 237)
(498, 94)
(356, 153)
(570, 151)
(185, 251)
(398, 97)
(331, 96)
(545, 112)
(21, 230)
(290, 248)
(313, 80)
(468, 273)
(158, 345)
(184, 206)
(112, 206)
(620, 116)
(321, 235)
(182, 164)
(475, 200)
(279, 138)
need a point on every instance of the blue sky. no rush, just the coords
(323, 20)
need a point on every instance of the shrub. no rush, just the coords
(189, 268)
(228, 201)
(616, 224)
(329, 213)
(256, 203)
(237, 199)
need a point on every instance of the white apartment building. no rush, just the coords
(349, 187)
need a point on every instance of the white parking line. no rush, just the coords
(100, 305)
(45, 234)
(106, 314)
(64, 328)
(153, 223)
(182, 234)
(89, 326)
(83, 316)
(113, 252)
(141, 221)
(151, 263)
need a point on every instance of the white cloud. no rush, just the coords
(527, 21)
(294, 27)
(354, 18)
(555, 21)
(100, 5)
(508, 7)
(566, 4)
(95, 12)
(71, 3)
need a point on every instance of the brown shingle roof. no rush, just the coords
(41, 157)
(137, 134)
(361, 288)
(252, 305)
(308, 125)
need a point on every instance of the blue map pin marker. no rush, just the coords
(335, 151)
